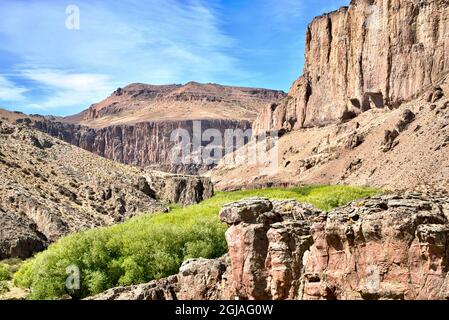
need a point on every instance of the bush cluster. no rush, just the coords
(152, 246)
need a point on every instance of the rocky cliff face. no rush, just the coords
(386, 247)
(146, 144)
(372, 54)
(49, 188)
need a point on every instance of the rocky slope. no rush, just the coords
(387, 247)
(134, 125)
(372, 54)
(49, 188)
(394, 149)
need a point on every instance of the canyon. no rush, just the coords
(370, 109)
(51, 189)
(135, 124)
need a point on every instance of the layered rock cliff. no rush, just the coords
(387, 247)
(146, 144)
(372, 54)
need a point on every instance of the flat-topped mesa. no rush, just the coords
(372, 54)
(139, 102)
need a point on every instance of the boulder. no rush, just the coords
(19, 237)
(387, 247)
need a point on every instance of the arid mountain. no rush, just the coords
(134, 125)
(49, 188)
(371, 107)
(138, 103)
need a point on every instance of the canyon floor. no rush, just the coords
(51, 188)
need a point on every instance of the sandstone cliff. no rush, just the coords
(386, 247)
(49, 188)
(372, 54)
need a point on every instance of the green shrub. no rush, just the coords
(5, 273)
(152, 246)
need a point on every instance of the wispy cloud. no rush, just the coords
(68, 89)
(9, 91)
(156, 41)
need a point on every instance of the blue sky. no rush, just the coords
(48, 68)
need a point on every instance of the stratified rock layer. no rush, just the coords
(369, 55)
(386, 247)
(147, 144)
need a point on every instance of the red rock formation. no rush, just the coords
(368, 55)
(386, 247)
(389, 247)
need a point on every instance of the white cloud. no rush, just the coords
(67, 89)
(10, 91)
(64, 80)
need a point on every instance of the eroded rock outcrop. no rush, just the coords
(199, 279)
(389, 247)
(19, 237)
(386, 247)
(267, 241)
(369, 55)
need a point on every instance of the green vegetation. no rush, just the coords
(153, 246)
(5, 273)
